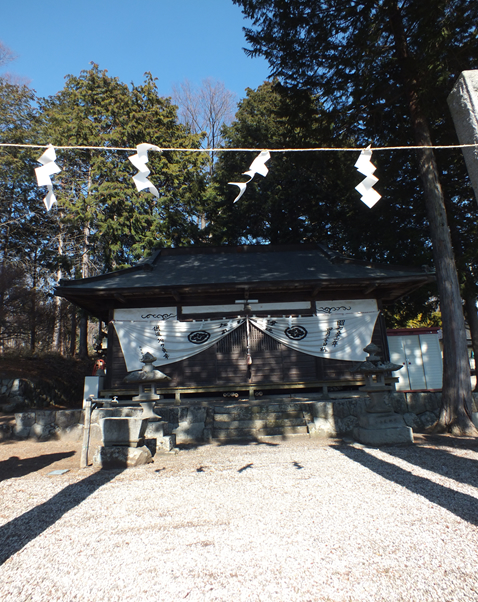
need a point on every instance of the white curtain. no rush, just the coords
(169, 340)
(340, 337)
(339, 330)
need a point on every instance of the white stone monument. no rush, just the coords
(463, 103)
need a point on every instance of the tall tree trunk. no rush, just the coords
(85, 272)
(468, 287)
(2, 310)
(57, 329)
(83, 325)
(455, 414)
(33, 308)
(73, 331)
(83, 338)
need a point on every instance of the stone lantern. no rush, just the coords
(124, 436)
(147, 379)
(378, 423)
(127, 430)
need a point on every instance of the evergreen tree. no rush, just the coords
(25, 232)
(18, 190)
(113, 224)
(309, 195)
(387, 66)
(303, 193)
(104, 222)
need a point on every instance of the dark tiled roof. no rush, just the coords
(186, 275)
(208, 266)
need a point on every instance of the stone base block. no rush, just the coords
(5, 432)
(67, 418)
(155, 429)
(128, 432)
(383, 436)
(22, 432)
(381, 420)
(25, 420)
(189, 433)
(43, 432)
(165, 444)
(121, 457)
(323, 427)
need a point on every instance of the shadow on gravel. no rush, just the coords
(16, 534)
(233, 442)
(16, 467)
(461, 504)
(440, 461)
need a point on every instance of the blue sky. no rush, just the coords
(173, 39)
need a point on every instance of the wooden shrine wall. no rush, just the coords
(226, 362)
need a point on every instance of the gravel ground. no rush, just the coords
(291, 520)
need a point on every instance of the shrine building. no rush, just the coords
(258, 318)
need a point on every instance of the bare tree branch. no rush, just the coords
(205, 108)
(6, 55)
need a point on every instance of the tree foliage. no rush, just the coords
(310, 195)
(344, 50)
(386, 67)
(303, 193)
(26, 234)
(101, 222)
(96, 194)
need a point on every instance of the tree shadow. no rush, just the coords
(16, 467)
(447, 440)
(440, 461)
(244, 442)
(16, 534)
(461, 504)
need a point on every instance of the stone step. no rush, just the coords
(247, 415)
(259, 409)
(244, 433)
(259, 424)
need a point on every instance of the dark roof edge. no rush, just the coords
(150, 262)
(418, 279)
(330, 254)
(144, 265)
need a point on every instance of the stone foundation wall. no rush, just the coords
(340, 417)
(45, 424)
(324, 418)
(16, 393)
